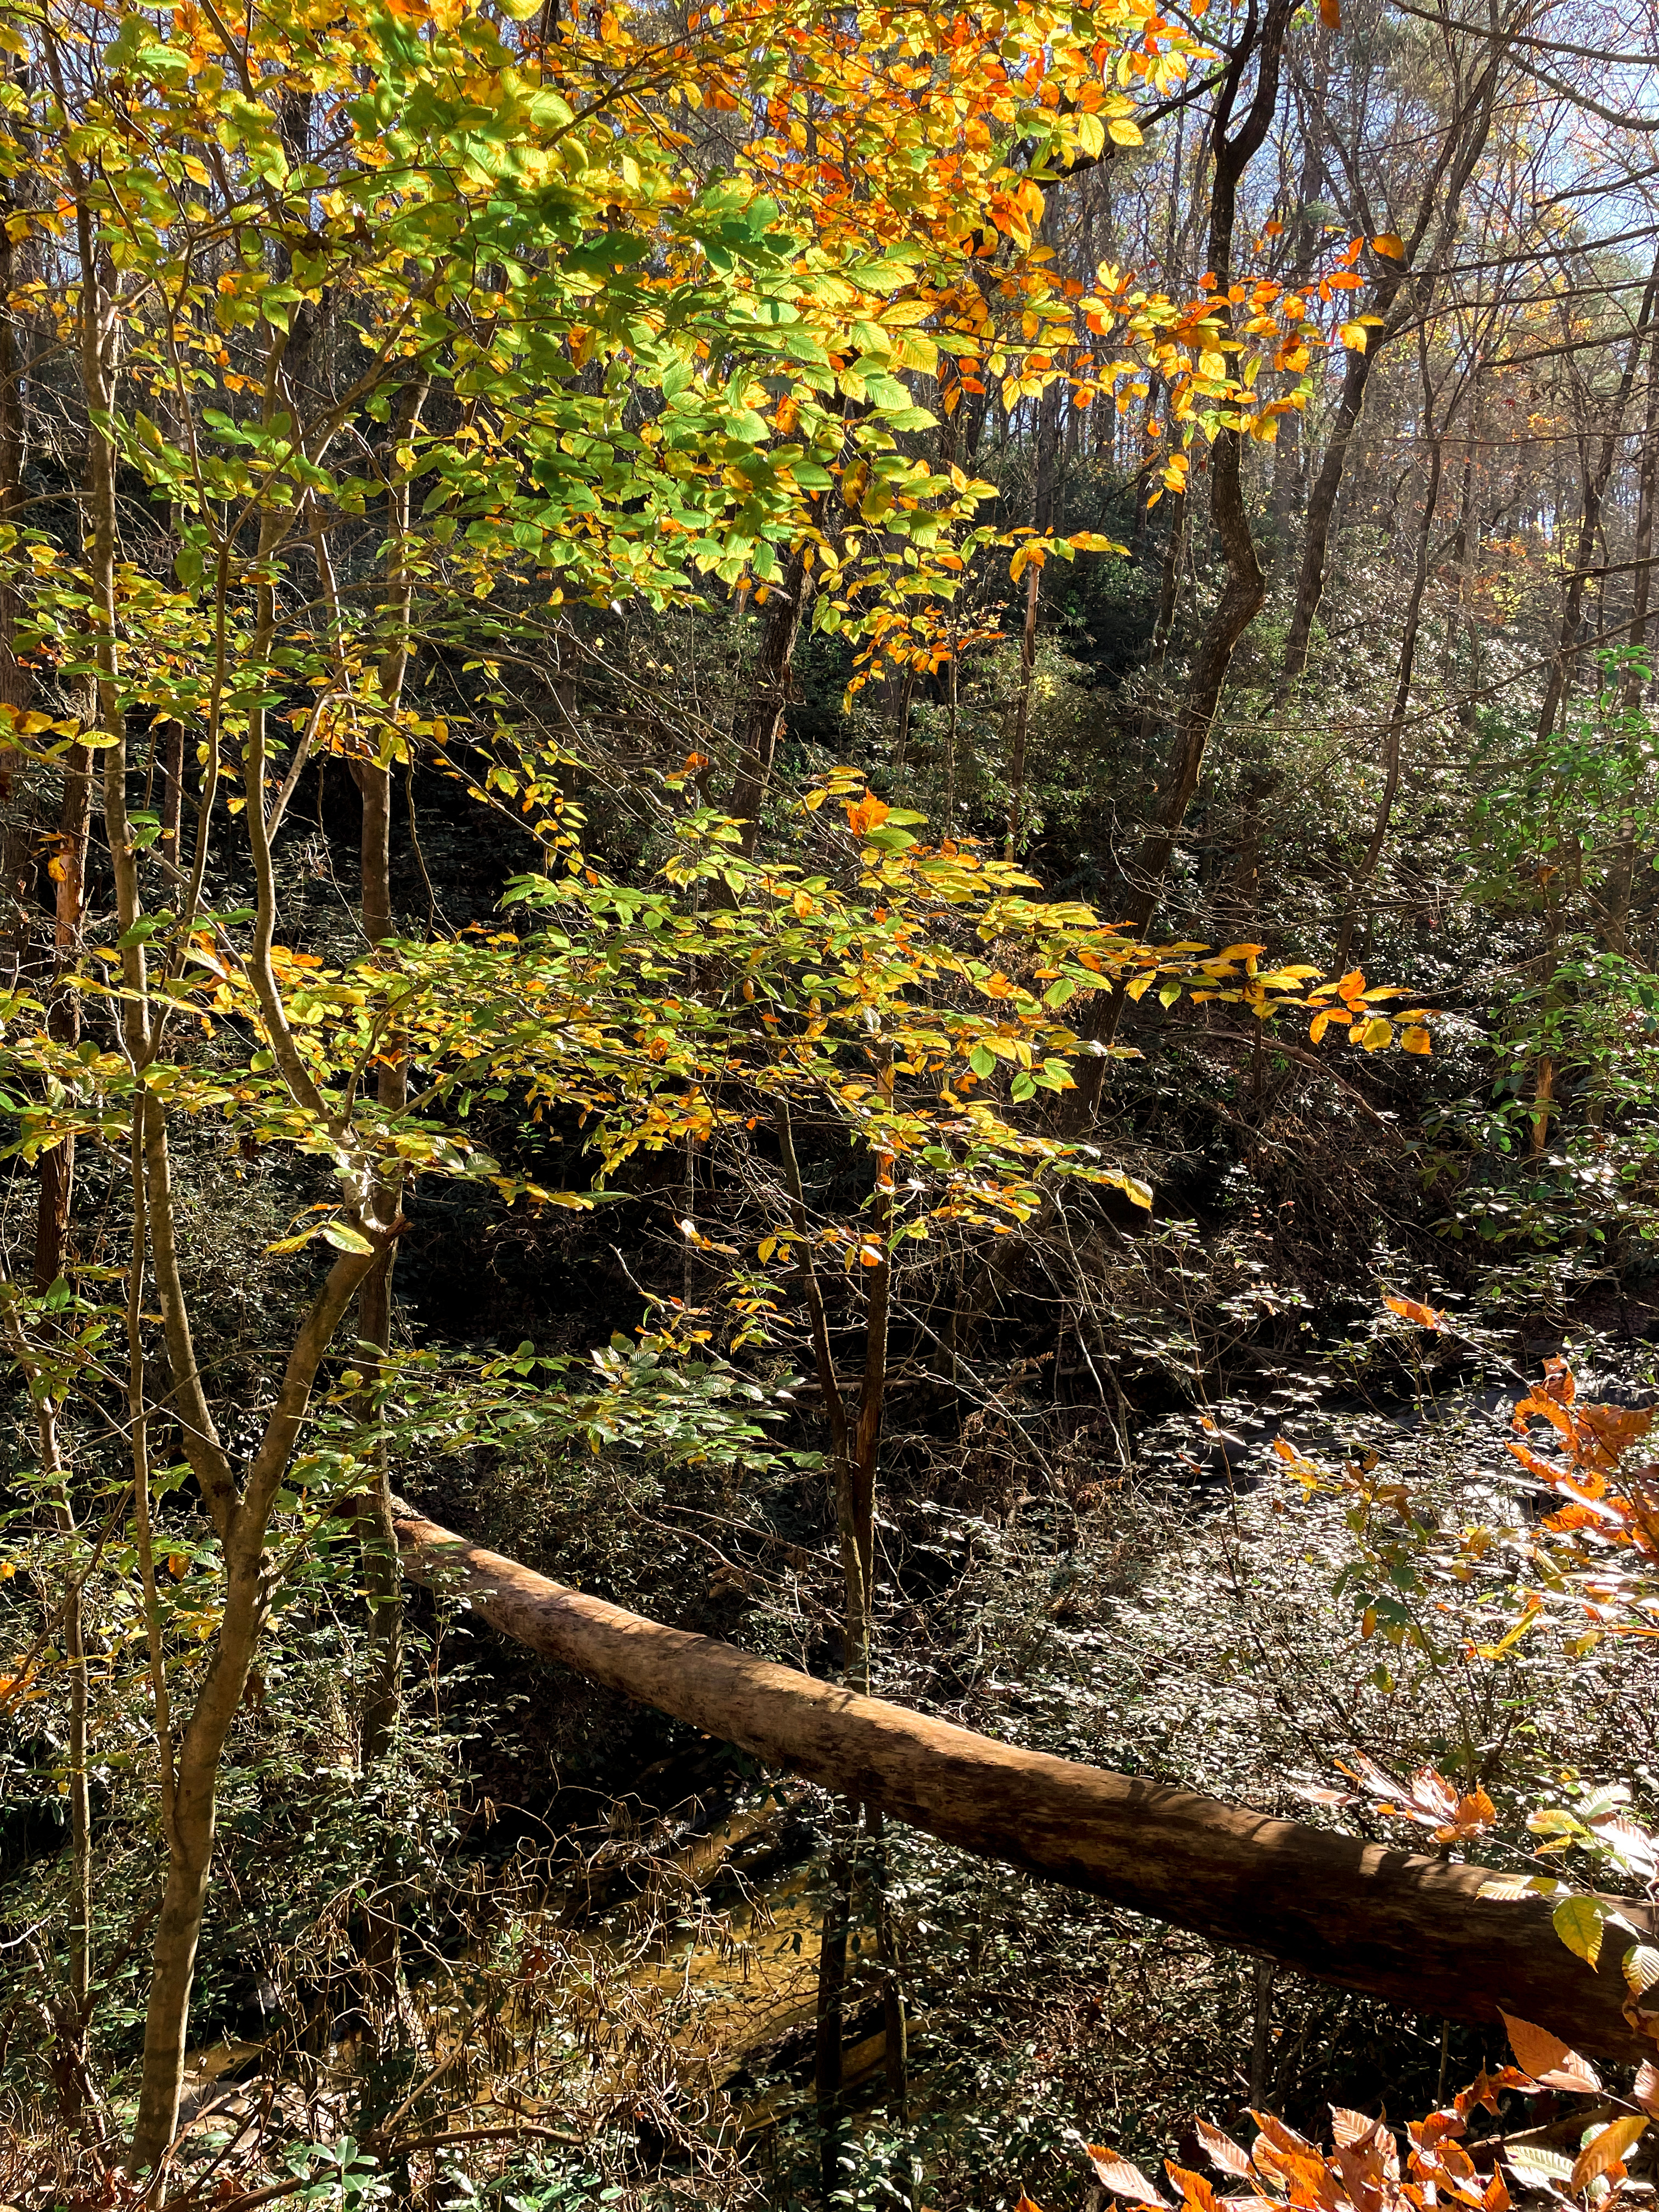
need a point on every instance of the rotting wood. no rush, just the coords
(1411, 1929)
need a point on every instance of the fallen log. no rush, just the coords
(1413, 1929)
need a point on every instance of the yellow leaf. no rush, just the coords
(814, 799)
(1354, 335)
(1579, 1922)
(1378, 1032)
(1091, 136)
(1317, 1027)
(1415, 1039)
(769, 1245)
(1124, 133)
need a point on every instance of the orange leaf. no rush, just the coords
(1416, 1039)
(1330, 13)
(868, 814)
(1413, 1309)
(1606, 2150)
(1546, 2058)
(1390, 243)
(1196, 2194)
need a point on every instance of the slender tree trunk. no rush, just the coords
(16, 684)
(895, 2050)
(68, 876)
(1042, 520)
(383, 1701)
(769, 707)
(833, 1943)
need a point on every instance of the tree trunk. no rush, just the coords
(1393, 299)
(1042, 521)
(833, 1941)
(786, 602)
(69, 875)
(1404, 668)
(1416, 1931)
(383, 1701)
(1595, 482)
(1614, 903)
(1246, 586)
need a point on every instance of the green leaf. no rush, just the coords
(983, 1060)
(1579, 1922)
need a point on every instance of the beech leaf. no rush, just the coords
(1606, 2150)
(1123, 2179)
(1555, 2064)
(1579, 1922)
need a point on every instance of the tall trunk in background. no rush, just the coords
(855, 1459)
(769, 707)
(1463, 555)
(16, 686)
(1287, 446)
(1174, 504)
(1594, 482)
(1396, 298)
(1044, 485)
(1246, 586)
(1404, 668)
(68, 871)
(1615, 901)
(379, 1549)
(1593, 486)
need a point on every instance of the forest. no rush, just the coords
(830, 1047)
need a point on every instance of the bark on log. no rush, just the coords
(1411, 1929)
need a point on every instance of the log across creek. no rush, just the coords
(1412, 1929)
